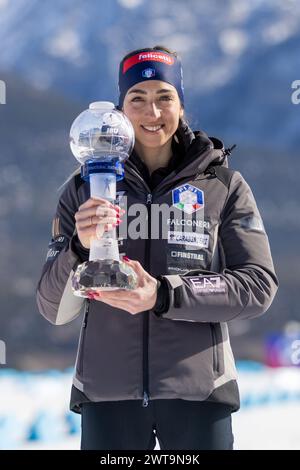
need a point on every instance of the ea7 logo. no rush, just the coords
(203, 282)
(208, 284)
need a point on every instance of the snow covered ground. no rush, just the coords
(34, 409)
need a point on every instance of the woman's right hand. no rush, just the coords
(95, 217)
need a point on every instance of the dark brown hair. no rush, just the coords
(148, 49)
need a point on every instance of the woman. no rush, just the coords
(157, 361)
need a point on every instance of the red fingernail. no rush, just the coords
(91, 295)
(125, 258)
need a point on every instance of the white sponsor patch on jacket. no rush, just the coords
(187, 255)
(188, 238)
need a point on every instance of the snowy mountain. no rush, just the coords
(239, 58)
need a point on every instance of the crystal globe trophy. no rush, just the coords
(101, 139)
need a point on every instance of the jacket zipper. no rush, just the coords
(215, 346)
(146, 396)
(84, 325)
(145, 359)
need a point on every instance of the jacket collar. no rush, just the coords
(193, 153)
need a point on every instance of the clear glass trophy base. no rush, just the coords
(101, 275)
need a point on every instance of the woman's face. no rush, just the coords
(154, 109)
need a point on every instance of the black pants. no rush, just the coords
(177, 424)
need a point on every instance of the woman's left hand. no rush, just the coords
(134, 301)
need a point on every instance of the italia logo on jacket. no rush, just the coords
(188, 198)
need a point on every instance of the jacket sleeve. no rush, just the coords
(246, 284)
(55, 298)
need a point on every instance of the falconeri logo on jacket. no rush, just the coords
(188, 198)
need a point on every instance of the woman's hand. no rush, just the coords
(134, 301)
(95, 217)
